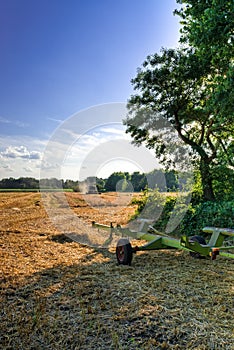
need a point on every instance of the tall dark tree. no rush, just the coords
(191, 88)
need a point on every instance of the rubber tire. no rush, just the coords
(200, 240)
(124, 252)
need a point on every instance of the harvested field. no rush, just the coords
(59, 294)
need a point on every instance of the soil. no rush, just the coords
(57, 293)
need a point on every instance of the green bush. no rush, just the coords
(162, 221)
(198, 214)
(217, 214)
(149, 205)
(223, 183)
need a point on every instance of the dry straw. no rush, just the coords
(58, 294)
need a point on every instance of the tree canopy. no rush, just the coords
(208, 26)
(191, 88)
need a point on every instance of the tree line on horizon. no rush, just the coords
(118, 181)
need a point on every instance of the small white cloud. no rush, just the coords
(28, 170)
(49, 166)
(20, 152)
(6, 167)
(20, 156)
(59, 121)
(35, 155)
(112, 130)
(14, 122)
(68, 136)
(21, 124)
(4, 120)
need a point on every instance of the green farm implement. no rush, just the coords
(195, 245)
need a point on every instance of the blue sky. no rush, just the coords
(60, 57)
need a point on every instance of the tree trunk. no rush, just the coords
(207, 183)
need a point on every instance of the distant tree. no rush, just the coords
(20, 183)
(100, 183)
(113, 180)
(171, 180)
(7, 183)
(51, 183)
(124, 185)
(71, 184)
(138, 181)
(156, 180)
(28, 182)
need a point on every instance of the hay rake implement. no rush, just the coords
(196, 245)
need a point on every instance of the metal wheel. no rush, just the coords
(200, 240)
(124, 252)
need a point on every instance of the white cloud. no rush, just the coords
(14, 122)
(28, 169)
(59, 121)
(5, 167)
(67, 154)
(67, 134)
(20, 152)
(100, 156)
(49, 166)
(20, 155)
(114, 130)
(4, 120)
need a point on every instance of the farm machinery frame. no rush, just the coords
(155, 240)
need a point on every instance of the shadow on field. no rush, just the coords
(166, 300)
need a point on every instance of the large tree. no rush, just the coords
(208, 26)
(187, 88)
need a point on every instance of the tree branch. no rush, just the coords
(188, 141)
(202, 134)
(226, 152)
